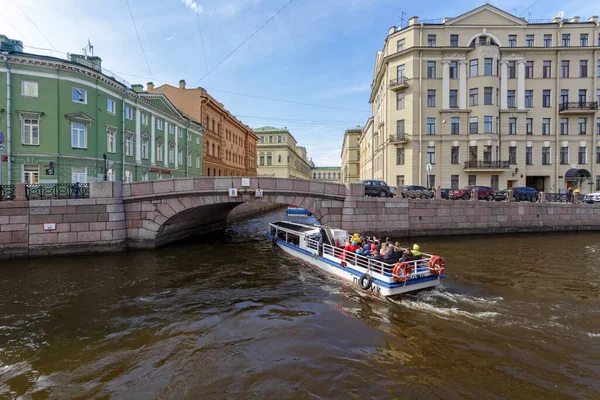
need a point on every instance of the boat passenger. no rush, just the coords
(391, 257)
(415, 250)
(377, 256)
(384, 249)
(366, 250)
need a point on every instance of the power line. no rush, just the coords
(16, 30)
(244, 42)
(531, 5)
(33, 23)
(138, 36)
(202, 41)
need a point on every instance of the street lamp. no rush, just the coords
(105, 168)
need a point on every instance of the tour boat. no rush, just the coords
(376, 277)
(293, 210)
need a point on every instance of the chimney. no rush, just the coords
(182, 84)
(150, 86)
(575, 20)
(593, 18)
(391, 30)
(413, 21)
(137, 88)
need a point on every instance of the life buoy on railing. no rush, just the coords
(365, 281)
(274, 241)
(401, 272)
(436, 265)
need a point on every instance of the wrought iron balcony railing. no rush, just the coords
(399, 83)
(399, 138)
(487, 164)
(578, 106)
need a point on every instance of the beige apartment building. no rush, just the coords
(351, 155)
(487, 98)
(327, 174)
(279, 155)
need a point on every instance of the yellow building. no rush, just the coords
(279, 155)
(351, 156)
(327, 174)
(487, 98)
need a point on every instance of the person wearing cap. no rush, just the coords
(415, 250)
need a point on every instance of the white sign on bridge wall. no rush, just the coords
(245, 182)
(258, 193)
(233, 192)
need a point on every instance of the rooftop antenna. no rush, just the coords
(88, 49)
(402, 19)
(559, 14)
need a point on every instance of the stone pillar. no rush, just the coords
(575, 199)
(509, 195)
(20, 192)
(153, 140)
(103, 190)
(521, 84)
(138, 136)
(445, 85)
(166, 144)
(474, 194)
(176, 146)
(438, 192)
(542, 197)
(503, 85)
(462, 85)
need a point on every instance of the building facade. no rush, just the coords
(229, 145)
(365, 143)
(491, 99)
(351, 155)
(327, 174)
(279, 155)
(67, 121)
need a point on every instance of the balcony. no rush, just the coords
(399, 139)
(487, 165)
(578, 108)
(399, 84)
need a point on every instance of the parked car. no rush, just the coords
(416, 192)
(376, 188)
(483, 193)
(444, 193)
(519, 194)
(591, 198)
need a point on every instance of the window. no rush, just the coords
(145, 141)
(78, 135)
(431, 69)
(128, 113)
(598, 67)
(566, 39)
(598, 96)
(159, 124)
(189, 137)
(564, 126)
(79, 95)
(400, 101)
(431, 42)
(453, 98)
(488, 66)
(144, 119)
(582, 125)
(512, 155)
(30, 131)
(529, 155)
(494, 182)
(473, 125)
(454, 70)
(547, 69)
(529, 126)
(278, 158)
(180, 133)
(270, 139)
(111, 134)
(454, 154)
(487, 124)
(279, 139)
(564, 69)
(546, 156)
(473, 67)
(472, 180)
(401, 44)
(110, 175)
(171, 129)
(189, 158)
(583, 39)
(180, 156)
(431, 126)
(546, 98)
(512, 68)
(487, 95)
(512, 126)
(529, 69)
(564, 155)
(431, 98)
(564, 96)
(29, 89)
(582, 96)
(430, 181)
(269, 159)
(582, 155)
(511, 99)
(453, 40)
(598, 176)
(597, 155)
(78, 175)
(529, 98)
(597, 126)
(473, 97)
(487, 154)
(455, 126)
(529, 40)
(400, 132)
(160, 148)
(128, 176)
(583, 68)
(545, 126)
(512, 40)
(454, 182)
(430, 154)
(400, 156)
(129, 145)
(399, 180)
(262, 159)
(547, 40)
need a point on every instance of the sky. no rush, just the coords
(317, 52)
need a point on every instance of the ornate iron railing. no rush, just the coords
(578, 105)
(562, 198)
(487, 164)
(58, 191)
(7, 192)
(402, 81)
(418, 194)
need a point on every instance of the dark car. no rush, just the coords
(376, 188)
(416, 192)
(519, 194)
(444, 193)
(483, 193)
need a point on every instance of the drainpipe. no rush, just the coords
(8, 127)
(187, 145)
(123, 141)
(420, 103)
(556, 111)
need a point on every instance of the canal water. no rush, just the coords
(231, 317)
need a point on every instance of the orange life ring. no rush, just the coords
(436, 265)
(401, 272)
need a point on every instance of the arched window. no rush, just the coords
(319, 175)
(329, 175)
(145, 143)
(172, 152)
(208, 172)
(314, 175)
(160, 149)
(279, 158)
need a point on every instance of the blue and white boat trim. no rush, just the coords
(302, 241)
(293, 210)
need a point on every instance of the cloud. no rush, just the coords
(172, 37)
(192, 5)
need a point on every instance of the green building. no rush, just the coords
(67, 121)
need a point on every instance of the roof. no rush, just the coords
(270, 129)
